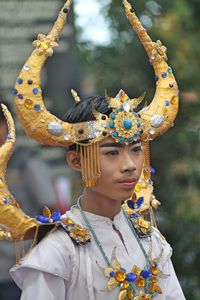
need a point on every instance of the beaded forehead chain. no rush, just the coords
(123, 124)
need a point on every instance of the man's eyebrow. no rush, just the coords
(117, 144)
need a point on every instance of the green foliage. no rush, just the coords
(176, 156)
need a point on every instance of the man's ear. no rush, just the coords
(73, 160)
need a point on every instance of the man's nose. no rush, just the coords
(128, 163)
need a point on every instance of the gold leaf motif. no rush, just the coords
(112, 284)
(107, 271)
(116, 265)
(46, 212)
(122, 295)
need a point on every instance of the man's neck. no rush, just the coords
(99, 204)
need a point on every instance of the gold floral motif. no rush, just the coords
(45, 44)
(159, 51)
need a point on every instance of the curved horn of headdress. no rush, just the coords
(36, 121)
(13, 222)
(162, 111)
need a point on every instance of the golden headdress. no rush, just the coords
(123, 124)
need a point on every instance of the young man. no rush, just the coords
(102, 250)
(58, 269)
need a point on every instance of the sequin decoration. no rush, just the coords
(164, 75)
(26, 68)
(157, 121)
(55, 129)
(35, 91)
(19, 80)
(170, 70)
(20, 96)
(14, 91)
(28, 103)
(67, 137)
(37, 107)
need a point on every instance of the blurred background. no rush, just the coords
(100, 51)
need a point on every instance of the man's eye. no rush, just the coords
(136, 149)
(112, 153)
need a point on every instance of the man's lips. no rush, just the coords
(129, 182)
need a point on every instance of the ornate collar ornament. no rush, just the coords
(123, 124)
(138, 283)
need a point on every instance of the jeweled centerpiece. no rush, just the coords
(125, 124)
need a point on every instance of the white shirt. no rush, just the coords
(57, 269)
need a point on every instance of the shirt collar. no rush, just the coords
(96, 220)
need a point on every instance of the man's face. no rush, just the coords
(3, 132)
(121, 166)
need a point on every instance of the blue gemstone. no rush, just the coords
(153, 171)
(56, 216)
(167, 103)
(164, 75)
(5, 200)
(42, 219)
(131, 277)
(137, 133)
(135, 216)
(138, 124)
(134, 114)
(111, 124)
(131, 204)
(122, 140)
(112, 274)
(130, 140)
(127, 124)
(112, 116)
(156, 78)
(19, 80)
(145, 274)
(37, 107)
(119, 110)
(140, 201)
(20, 96)
(35, 91)
(115, 134)
(14, 92)
(155, 264)
(170, 70)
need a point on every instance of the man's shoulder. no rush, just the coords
(160, 244)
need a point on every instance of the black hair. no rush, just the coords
(82, 111)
